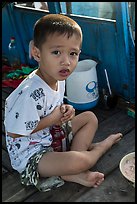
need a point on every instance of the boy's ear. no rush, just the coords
(34, 52)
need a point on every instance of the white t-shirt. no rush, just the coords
(32, 100)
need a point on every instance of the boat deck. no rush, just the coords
(115, 187)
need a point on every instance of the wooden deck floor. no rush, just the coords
(115, 187)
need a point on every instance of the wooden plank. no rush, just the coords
(6, 161)
(13, 190)
(3, 115)
(3, 128)
(3, 104)
(4, 142)
(119, 122)
(102, 113)
(4, 171)
(115, 188)
(115, 154)
(61, 194)
(5, 93)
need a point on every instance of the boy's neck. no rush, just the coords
(53, 85)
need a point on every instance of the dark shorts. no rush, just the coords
(30, 175)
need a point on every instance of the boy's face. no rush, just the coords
(59, 56)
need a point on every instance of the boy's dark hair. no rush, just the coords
(54, 23)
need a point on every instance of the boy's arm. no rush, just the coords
(47, 121)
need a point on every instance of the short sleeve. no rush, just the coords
(22, 113)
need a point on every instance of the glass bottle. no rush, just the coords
(59, 138)
(14, 58)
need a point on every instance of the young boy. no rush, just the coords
(37, 104)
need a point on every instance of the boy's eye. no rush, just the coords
(56, 52)
(74, 53)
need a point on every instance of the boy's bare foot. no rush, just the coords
(109, 141)
(88, 178)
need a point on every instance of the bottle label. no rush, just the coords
(59, 138)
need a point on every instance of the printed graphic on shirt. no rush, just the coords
(17, 115)
(39, 107)
(51, 107)
(37, 94)
(30, 125)
(20, 92)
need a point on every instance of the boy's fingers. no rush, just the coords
(63, 108)
(70, 112)
(66, 118)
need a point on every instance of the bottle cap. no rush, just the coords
(12, 39)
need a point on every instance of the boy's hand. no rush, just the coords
(68, 112)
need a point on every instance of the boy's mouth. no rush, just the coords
(64, 72)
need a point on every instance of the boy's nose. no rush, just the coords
(65, 60)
